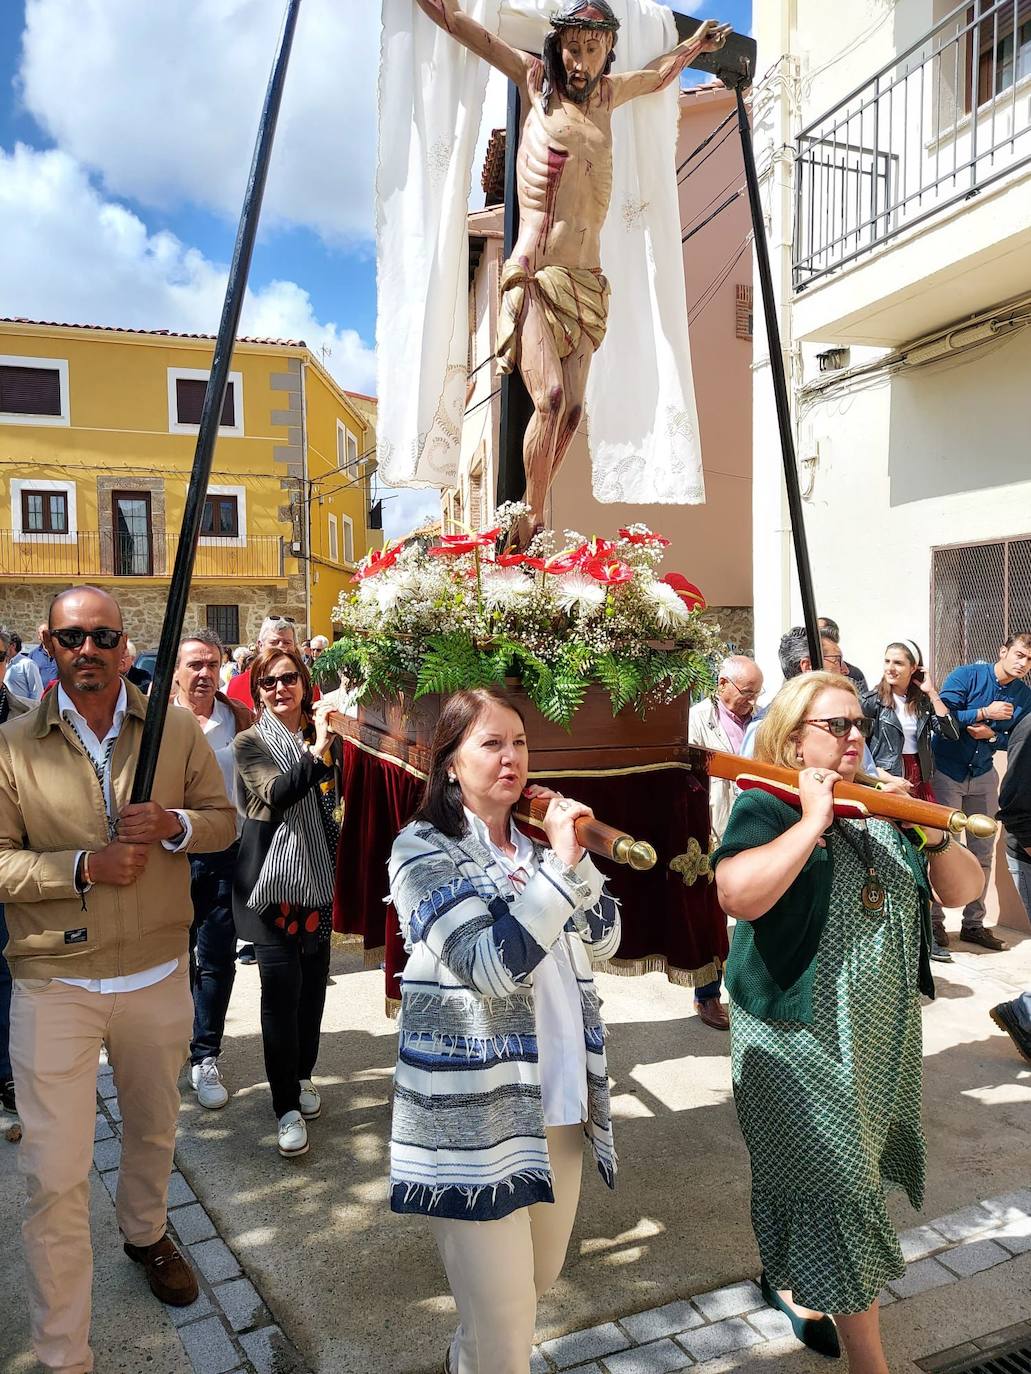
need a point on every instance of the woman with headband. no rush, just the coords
(907, 710)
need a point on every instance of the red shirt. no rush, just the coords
(239, 689)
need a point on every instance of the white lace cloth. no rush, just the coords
(643, 422)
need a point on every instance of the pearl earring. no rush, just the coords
(451, 777)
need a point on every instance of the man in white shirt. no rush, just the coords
(213, 933)
(23, 678)
(97, 899)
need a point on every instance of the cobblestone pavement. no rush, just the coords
(302, 1267)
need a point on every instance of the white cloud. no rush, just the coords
(188, 80)
(73, 256)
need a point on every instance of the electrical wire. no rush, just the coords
(729, 201)
(705, 141)
(712, 201)
(709, 294)
(698, 165)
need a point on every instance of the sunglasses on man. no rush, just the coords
(268, 684)
(839, 726)
(74, 637)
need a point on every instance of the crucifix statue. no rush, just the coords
(554, 297)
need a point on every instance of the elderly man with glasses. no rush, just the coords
(720, 723)
(277, 632)
(97, 891)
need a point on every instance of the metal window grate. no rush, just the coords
(980, 595)
(1011, 1357)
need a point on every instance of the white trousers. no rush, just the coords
(498, 1269)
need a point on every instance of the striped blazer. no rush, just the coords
(468, 1135)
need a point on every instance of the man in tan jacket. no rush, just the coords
(98, 914)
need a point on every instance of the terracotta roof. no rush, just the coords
(153, 333)
(358, 395)
(492, 178)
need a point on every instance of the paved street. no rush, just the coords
(304, 1268)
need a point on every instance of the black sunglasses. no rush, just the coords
(74, 637)
(268, 684)
(839, 726)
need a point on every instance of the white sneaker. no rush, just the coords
(207, 1081)
(293, 1135)
(311, 1100)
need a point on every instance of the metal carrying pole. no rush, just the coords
(515, 400)
(780, 386)
(214, 396)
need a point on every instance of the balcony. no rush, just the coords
(98, 555)
(913, 194)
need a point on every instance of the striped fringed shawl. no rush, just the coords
(468, 1138)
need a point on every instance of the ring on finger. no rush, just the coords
(819, 777)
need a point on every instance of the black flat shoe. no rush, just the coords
(820, 1335)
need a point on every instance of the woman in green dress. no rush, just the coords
(829, 958)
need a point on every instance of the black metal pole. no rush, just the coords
(515, 401)
(780, 388)
(214, 396)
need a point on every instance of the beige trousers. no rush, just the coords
(56, 1035)
(498, 1269)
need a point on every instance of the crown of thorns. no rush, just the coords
(586, 14)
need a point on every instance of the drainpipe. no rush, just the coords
(305, 496)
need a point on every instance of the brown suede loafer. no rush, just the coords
(977, 935)
(713, 1013)
(170, 1277)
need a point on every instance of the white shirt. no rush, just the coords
(561, 1049)
(220, 731)
(130, 982)
(907, 719)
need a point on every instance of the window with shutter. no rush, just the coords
(33, 391)
(189, 396)
(334, 543)
(743, 312)
(348, 540)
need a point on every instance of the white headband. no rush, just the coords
(915, 653)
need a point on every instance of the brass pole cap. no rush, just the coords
(981, 827)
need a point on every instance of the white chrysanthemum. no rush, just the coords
(667, 606)
(576, 591)
(386, 589)
(505, 587)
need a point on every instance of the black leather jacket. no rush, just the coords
(887, 739)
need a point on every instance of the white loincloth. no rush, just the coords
(643, 423)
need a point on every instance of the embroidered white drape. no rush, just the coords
(643, 424)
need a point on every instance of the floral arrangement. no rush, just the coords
(452, 612)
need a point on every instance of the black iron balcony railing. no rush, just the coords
(98, 553)
(943, 120)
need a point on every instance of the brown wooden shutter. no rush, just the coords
(189, 401)
(30, 390)
(743, 312)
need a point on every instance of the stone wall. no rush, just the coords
(24, 605)
(736, 627)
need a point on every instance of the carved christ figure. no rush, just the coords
(554, 298)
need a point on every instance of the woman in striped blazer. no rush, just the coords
(501, 1060)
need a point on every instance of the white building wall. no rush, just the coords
(903, 462)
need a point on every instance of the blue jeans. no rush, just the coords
(212, 949)
(709, 990)
(5, 1006)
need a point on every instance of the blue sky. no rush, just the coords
(125, 136)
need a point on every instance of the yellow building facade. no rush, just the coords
(97, 435)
